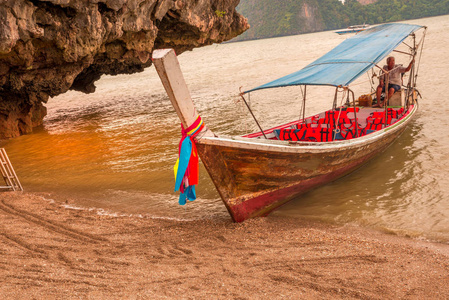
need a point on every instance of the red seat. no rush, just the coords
(350, 131)
(291, 134)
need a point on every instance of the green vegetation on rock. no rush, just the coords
(270, 18)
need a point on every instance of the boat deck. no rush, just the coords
(334, 125)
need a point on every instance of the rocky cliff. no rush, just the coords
(48, 47)
(282, 17)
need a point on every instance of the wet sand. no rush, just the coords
(49, 251)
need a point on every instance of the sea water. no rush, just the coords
(115, 149)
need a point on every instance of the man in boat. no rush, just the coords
(395, 79)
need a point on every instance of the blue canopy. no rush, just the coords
(352, 58)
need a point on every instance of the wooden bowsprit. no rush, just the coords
(9, 175)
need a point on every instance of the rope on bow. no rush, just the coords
(186, 167)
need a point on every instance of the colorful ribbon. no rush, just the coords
(186, 167)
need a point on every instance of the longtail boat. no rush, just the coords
(258, 172)
(353, 29)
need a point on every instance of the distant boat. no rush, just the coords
(258, 172)
(353, 29)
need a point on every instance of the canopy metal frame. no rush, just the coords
(411, 85)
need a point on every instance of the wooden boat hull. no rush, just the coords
(255, 176)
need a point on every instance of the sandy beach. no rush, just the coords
(50, 251)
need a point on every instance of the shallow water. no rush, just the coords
(115, 149)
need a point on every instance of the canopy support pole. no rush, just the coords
(414, 54)
(387, 96)
(334, 106)
(409, 87)
(404, 52)
(355, 112)
(419, 46)
(254, 117)
(420, 54)
(304, 104)
(412, 75)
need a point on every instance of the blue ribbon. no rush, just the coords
(184, 158)
(189, 194)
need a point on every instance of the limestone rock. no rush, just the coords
(48, 47)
